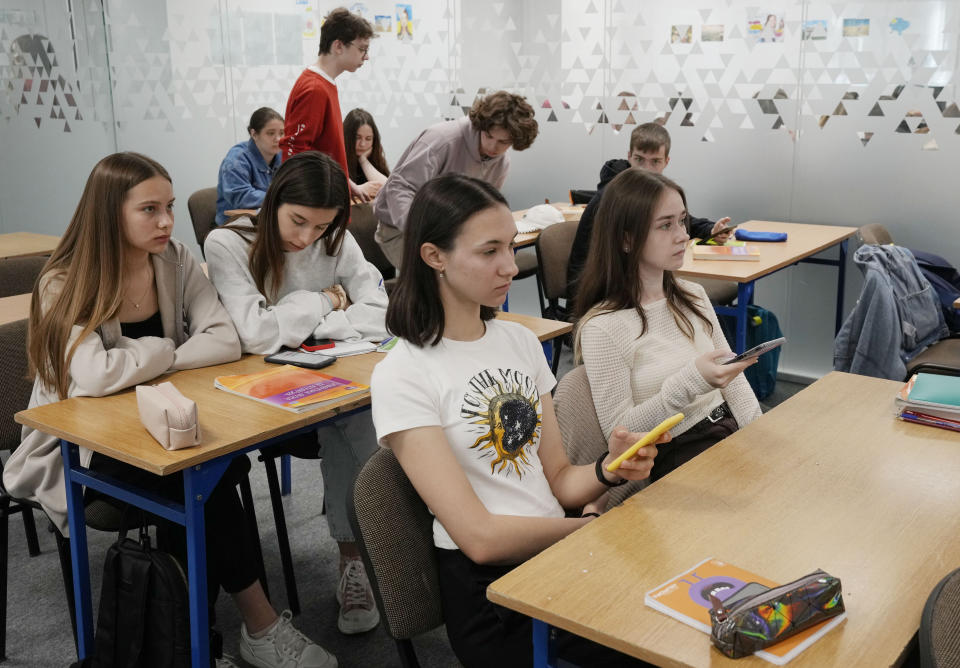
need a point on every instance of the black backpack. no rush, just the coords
(144, 618)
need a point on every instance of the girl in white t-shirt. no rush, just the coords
(464, 402)
(651, 343)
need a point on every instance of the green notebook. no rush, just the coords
(936, 389)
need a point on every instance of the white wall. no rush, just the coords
(178, 80)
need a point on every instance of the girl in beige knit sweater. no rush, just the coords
(650, 342)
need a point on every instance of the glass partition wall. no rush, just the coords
(832, 113)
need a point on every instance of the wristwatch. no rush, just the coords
(599, 470)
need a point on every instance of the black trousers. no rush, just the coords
(232, 557)
(484, 634)
(691, 443)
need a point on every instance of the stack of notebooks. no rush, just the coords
(930, 399)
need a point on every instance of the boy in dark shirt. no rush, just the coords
(650, 150)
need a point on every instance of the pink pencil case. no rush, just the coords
(170, 417)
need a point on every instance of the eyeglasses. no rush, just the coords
(362, 49)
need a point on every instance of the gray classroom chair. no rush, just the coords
(394, 531)
(14, 398)
(580, 429)
(202, 206)
(18, 274)
(940, 625)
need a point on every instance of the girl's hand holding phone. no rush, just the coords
(721, 233)
(637, 467)
(711, 366)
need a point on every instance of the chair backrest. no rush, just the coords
(580, 429)
(553, 254)
(18, 274)
(394, 531)
(13, 379)
(363, 225)
(579, 196)
(202, 206)
(940, 625)
(875, 234)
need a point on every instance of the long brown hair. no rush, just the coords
(352, 122)
(438, 212)
(611, 277)
(310, 179)
(87, 266)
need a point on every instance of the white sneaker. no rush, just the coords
(284, 647)
(358, 611)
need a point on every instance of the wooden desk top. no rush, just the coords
(829, 479)
(543, 328)
(802, 241)
(111, 425)
(22, 244)
(16, 307)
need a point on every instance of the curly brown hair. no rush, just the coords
(508, 111)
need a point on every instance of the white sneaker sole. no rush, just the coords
(361, 625)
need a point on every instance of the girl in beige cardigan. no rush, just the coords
(119, 303)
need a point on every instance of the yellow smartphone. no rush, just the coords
(651, 437)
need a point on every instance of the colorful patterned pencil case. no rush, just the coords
(742, 626)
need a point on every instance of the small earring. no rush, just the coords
(443, 274)
(626, 249)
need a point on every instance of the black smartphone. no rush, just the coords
(728, 228)
(312, 344)
(756, 351)
(299, 358)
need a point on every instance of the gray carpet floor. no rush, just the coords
(38, 627)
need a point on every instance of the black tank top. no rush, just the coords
(152, 326)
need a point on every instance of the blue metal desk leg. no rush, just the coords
(841, 278)
(544, 650)
(194, 497)
(744, 297)
(285, 475)
(78, 552)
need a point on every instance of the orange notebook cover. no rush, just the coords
(749, 253)
(687, 598)
(290, 387)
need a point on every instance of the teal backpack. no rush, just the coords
(762, 326)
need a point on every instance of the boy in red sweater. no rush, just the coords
(313, 121)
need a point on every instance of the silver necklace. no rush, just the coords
(137, 302)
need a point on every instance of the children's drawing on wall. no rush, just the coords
(383, 23)
(898, 25)
(405, 23)
(769, 28)
(711, 33)
(682, 34)
(816, 29)
(856, 27)
(360, 9)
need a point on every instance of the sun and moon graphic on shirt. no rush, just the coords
(504, 407)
